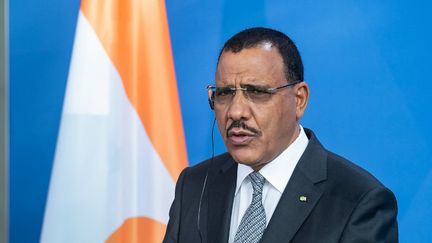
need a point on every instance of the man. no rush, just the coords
(277, 183)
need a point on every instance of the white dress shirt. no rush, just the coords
(277, 174)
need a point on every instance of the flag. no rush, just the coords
(121, 145)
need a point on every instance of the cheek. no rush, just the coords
(267, 117)
(266, 121)
(275, 121)
(221, 122)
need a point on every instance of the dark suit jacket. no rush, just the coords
(344, 203)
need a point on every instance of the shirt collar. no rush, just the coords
(242, 172)
(279, 171)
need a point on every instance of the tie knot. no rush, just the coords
(257, 181)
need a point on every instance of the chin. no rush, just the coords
(244, 157)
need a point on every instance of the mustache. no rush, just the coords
(242, 125)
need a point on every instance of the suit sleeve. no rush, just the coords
(173, 227)
(374, 219)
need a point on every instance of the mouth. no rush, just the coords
(240, 137)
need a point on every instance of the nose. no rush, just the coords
(239, 108)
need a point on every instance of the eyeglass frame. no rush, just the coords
(270, 91)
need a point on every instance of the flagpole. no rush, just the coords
(4, 118)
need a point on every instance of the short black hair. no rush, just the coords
(253, 37)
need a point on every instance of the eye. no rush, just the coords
(225, 91)
(255, 90)
(257, 94)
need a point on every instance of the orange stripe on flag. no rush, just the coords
(139, 229)
(135, 35)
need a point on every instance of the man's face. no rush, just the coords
(256, 132)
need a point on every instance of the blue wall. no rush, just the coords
(367, 63)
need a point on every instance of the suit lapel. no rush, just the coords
(222, 184)
(300, 195)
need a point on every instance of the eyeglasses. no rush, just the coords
(258, 95)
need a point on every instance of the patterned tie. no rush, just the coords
(253, 223)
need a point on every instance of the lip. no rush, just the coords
(240, 137)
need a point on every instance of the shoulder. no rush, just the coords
(342, 180)
(340, 167)
(350, 180)
(209, 165)
(343, 177)
(194, 176)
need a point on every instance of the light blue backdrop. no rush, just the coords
(367, 63)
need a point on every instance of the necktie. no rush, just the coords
(253, 223)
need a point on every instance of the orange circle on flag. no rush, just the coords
(138, 230)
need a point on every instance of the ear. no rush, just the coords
(211, 103)
(302, 96)
(210, 98)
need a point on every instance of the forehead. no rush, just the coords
(262, 64)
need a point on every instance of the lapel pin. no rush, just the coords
(303, 199)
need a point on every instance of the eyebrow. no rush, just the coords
(246, 83)
(244, 79)
(255, 86)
